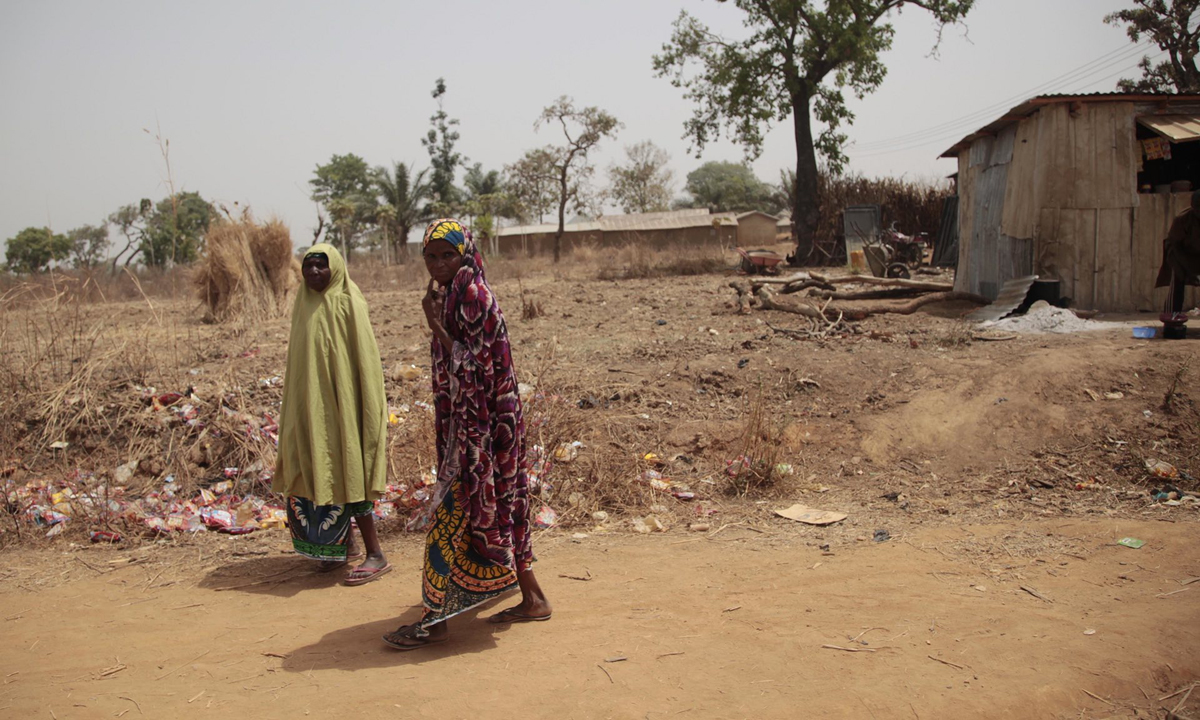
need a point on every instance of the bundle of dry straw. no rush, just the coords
(247, 270)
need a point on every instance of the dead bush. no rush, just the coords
(247, 271)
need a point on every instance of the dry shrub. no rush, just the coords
(531, 307)
(915, 206)
(634, 260)
(957, 335)
(247, 270)
(755, 471)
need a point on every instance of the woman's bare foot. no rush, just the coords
(534, 607)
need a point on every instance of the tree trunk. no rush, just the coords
(562, 211)
(806, 214)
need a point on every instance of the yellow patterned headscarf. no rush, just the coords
(447, 229)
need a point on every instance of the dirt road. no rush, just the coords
(754, 621)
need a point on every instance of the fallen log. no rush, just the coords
(911, 307)
(828, 311)
(795, 277)
(768, 300)
(796, 287)
(891, 282)
(745, 296)
(886, 294)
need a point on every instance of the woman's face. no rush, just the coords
(442, 261)
(316, 272)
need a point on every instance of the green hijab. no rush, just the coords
(333, 425)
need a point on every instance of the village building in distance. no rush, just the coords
(658, 230)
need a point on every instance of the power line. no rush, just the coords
(950, 133)
(940, 132)
(1107, 60)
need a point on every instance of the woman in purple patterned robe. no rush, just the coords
(478, 546)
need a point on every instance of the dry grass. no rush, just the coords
(756, 470)
(914, 205)
(635, 260)
(247, 270)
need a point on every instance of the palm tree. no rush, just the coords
(403, 204)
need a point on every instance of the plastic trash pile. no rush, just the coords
(53, 505)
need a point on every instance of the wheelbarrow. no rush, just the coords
(759, 262)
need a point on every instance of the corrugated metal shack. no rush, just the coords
(657, 230)
(1077, 188)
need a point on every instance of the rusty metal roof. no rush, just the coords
(1032, 105)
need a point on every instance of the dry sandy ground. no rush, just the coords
(995, 466)
(744, 623)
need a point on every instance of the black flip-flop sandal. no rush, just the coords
(511, 616)
(407, 632)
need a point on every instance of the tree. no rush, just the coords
(131, 221)
(346, 187)
(33, 249)
(531, 183)
(402, 204)
(729, 187)
(89, 245)
(583, 129)
(799, 57)
(174, 232)
(479, 183)
(1168, 26)
(643, 183)
(486, 198)
(442, 157)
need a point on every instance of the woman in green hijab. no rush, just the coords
(331, 463)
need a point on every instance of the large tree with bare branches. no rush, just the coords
(798, 59)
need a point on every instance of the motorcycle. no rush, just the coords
(901, 253)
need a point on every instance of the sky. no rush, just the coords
(253, 95)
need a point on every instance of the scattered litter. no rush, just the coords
(545, 518)
(655, 479)
(60, 445)
(122, 473)
(600, 516)
(405, 371)
(1161, 469)
(567, 452)
(108, 536)
(1114, 395)
(810, 516)
(881, 535)
(1145, 332)
(1131, 542)
(1089, 631)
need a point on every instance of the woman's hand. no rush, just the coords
(432, 304)
(429, 304)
